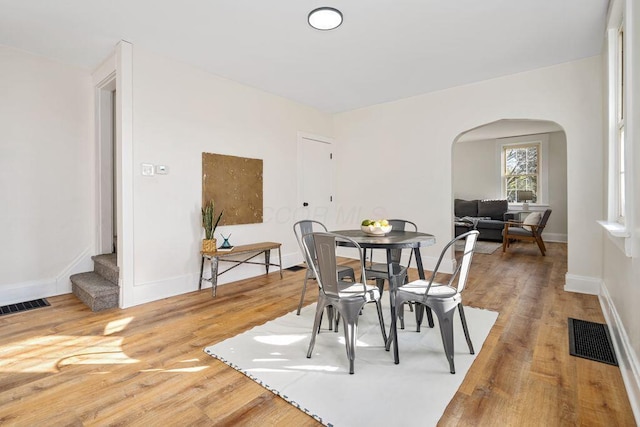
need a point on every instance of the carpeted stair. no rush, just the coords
(98, 289)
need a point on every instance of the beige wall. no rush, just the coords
(404, 151)
(46, 175)
(179, 112)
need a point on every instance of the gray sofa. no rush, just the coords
(486, 216)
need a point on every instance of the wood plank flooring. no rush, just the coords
(64, 365)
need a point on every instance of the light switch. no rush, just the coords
(162, 169)
(147, 169)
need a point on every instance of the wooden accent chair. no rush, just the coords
(529, 230)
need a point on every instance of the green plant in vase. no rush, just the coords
(209, 225)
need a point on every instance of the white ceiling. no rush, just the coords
(384, 50)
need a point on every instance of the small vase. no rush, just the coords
(208, 245)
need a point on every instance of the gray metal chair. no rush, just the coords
(301, 228)
(347, 298)
(443, 298)
(378, 271)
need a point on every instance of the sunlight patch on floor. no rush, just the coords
(50, 353)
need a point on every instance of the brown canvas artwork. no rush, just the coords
(235, 186)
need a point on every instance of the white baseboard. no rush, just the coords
(627, 360)
(48, 287)
(554, 237)
(27, 291)
(156, 290)
(582, 284)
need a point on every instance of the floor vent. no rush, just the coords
(296, 268)
(591, 341)
(23, 306)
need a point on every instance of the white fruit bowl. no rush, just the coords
(375, 231)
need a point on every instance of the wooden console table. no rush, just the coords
(248, 253)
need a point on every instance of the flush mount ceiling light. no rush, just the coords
(325, 18)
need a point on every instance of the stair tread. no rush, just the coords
(94, 284)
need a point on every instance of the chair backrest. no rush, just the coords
(462, 270)
(301, 228)
(401, 225)
(543, 221)
(467, 256)
(324, 246)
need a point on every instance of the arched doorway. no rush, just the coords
(477, 169)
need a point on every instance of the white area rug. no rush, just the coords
(414, 393)
(482, 247)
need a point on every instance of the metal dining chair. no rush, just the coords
(307, 226)
(379, 271)
(443, 298)
(347, 298)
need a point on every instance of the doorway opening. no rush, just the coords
(107, 239)
(478, 168)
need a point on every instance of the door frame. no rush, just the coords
(300, 173)
(105, 168)
(118, 67)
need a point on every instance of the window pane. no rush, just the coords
(521, 170)
(532, 160)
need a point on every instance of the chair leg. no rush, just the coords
(350, 333)
(381, 320)
(420, 316)
(330, 316)
(304, 291)
(540, 243)
(465, 328)
(350, 315)
(316, 327)
(380, 285)
(445, 319)
(401, 307)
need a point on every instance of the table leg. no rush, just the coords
(419, 307)
(214, 275)
(280, 261)
(267, 258)
(201, 271)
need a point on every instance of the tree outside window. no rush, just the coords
(521, 170)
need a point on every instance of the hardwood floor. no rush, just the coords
(64, 365)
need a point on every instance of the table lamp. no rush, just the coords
(525, 196)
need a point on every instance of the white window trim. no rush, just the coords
(543, 165)
(620, 234)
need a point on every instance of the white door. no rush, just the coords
(315, 194)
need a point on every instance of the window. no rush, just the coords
(520, 170)
(619, 222)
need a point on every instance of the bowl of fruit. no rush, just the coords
(375, 227)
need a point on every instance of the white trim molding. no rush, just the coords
(59, 285)
(582, 284)
(627, 360)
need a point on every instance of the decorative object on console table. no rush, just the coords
(525, 196)
(225, 246)
(208, 215)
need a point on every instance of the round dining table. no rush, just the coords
(413, 240)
